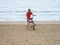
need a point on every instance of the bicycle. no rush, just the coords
(32, 22)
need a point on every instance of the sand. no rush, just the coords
(16, 34)
(24, 22)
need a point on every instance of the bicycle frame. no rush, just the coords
(32, 22)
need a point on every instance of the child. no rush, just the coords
(28, 15)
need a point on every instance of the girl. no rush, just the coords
(28, 15)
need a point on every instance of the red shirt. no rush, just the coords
(29, 15)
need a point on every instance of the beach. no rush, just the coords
(15, 33)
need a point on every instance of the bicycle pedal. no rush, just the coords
(34, 24)
(31, 26)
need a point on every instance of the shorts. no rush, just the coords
(28, 20)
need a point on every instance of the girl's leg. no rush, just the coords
(27, 24)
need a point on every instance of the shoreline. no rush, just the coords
(24, 22)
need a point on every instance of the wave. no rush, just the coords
(32, 11)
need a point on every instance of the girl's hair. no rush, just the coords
(29, 9)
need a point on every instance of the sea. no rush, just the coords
(15, 10)
(21, 15)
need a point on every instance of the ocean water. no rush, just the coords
(21, 16)
(15, 10)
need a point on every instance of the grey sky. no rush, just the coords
(41, 4)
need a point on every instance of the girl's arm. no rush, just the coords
(32, 14)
